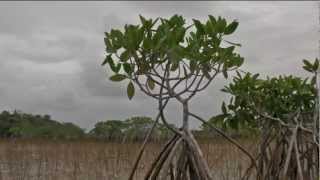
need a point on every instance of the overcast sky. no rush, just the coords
(51, 53)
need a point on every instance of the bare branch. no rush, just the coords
(197, 86)
(212, 77)
(142, 148)
(190, 85)
(227, 137)
(155, 96)
(160, 105)
(171, 90)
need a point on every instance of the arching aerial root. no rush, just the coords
(180, 159)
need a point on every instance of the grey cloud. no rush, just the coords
(95, 79)
(48, 46)
(168, 8)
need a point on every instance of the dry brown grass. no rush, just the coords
(96, 160)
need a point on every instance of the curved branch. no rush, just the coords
(165, 122)
(197, 86)
(135, 166)
(160, 105)
(154, 80)
(212, 77)
(171, 90)
(227, 137)
(299, 125)
(189, 86)
(155, 96)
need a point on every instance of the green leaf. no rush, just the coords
(150, 83)
(105, 61)
(231, 28)
(199, 26)
(147, 43)
(218, 118)
(240, 61)
(232, 43)
(229, 50)
(143, 20)
(117, 68)
(113, 67)
(109, 47)
(125, 56)
(212, 19)
(130, 90)
(307, 63)
(313, 80)
(118, 77)
(223, 108)
(234, 124)
(180, 34)
(238, 73)
(316, 65)
(161, 41)
(140, 35)
(221, 25)
(154, 22)
(173, 20)
(127, 68)
(117, 35)
(225, 73)
(209, 27)
(307, 68)
(255, 76)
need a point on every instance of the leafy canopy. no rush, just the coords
(139, 49)
(277, 97)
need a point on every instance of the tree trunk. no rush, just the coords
(181, 158)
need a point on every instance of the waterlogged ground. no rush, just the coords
(97, 160)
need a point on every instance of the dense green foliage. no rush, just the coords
(110, 129)
(196, 49)
(277, 97)
(134, 128)
(18, 124)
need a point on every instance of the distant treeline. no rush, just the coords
(23, 125)
(19, 124)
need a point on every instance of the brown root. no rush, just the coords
(181, 159)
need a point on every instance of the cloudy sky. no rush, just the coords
(50, 53)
